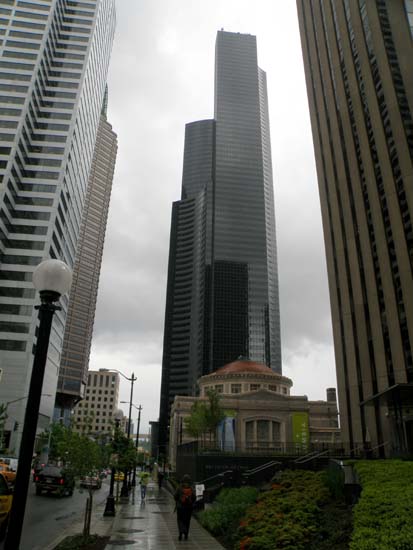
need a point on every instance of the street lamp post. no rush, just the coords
(52, 278)
(139, 409)
(110, 501)
(137, 444)
(124, 491)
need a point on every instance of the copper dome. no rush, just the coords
(244, 365)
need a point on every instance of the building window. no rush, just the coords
(276, 432)
(271, 387)
(219, 388)
(249, 433)
(285, 391)
(235, 388)
(254, 387)
(263, 435)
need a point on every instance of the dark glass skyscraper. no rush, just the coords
(222, 296)
(358, 59)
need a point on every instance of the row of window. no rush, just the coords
(237, 388)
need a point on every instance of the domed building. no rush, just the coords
(261, 413)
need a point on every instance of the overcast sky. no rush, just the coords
(161, 77)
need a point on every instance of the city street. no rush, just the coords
(48, 515)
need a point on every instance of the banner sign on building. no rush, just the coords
(301, 432)
(226, 432)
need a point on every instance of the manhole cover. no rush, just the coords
(130, 531)
(122, 542)
(133, 517)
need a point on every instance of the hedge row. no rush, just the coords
(383, 517)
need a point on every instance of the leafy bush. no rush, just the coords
(383, 515)
(228, 508)
(287, 517)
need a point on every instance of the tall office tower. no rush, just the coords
(82, 303)
(222, 294)
(53, 72)
(95, 413)
(358, 63)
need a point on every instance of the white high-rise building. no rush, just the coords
(54, 58)
(95, 414)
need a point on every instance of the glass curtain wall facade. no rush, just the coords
(222, 295)
(358, 63)
(82, 303)
(54, 57)
(409, 11)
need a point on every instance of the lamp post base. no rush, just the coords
(110, 510)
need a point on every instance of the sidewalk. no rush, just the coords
(148, 525)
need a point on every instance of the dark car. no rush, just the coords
(53, 479)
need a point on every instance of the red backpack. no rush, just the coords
(186, 496)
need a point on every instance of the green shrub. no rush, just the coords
(229, 506)
(383, 515)
(287, 517)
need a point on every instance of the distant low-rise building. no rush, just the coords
(95, 413)
(261, 414)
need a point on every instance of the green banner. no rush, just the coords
(301, 432)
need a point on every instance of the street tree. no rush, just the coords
(82, 456)
(205, 417)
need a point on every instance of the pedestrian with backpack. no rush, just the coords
(184, 498)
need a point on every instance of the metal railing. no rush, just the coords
(261, 473)
(271, 448)
(281, 450)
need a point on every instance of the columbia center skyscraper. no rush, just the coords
(53, 71)
(222, 295)
(358, 61)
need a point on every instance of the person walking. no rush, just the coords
(184, 498)
(144, 480)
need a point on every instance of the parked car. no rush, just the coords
(8, 473)
(6, 497)
(54, 479)
(91, 481)
(11, 462)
